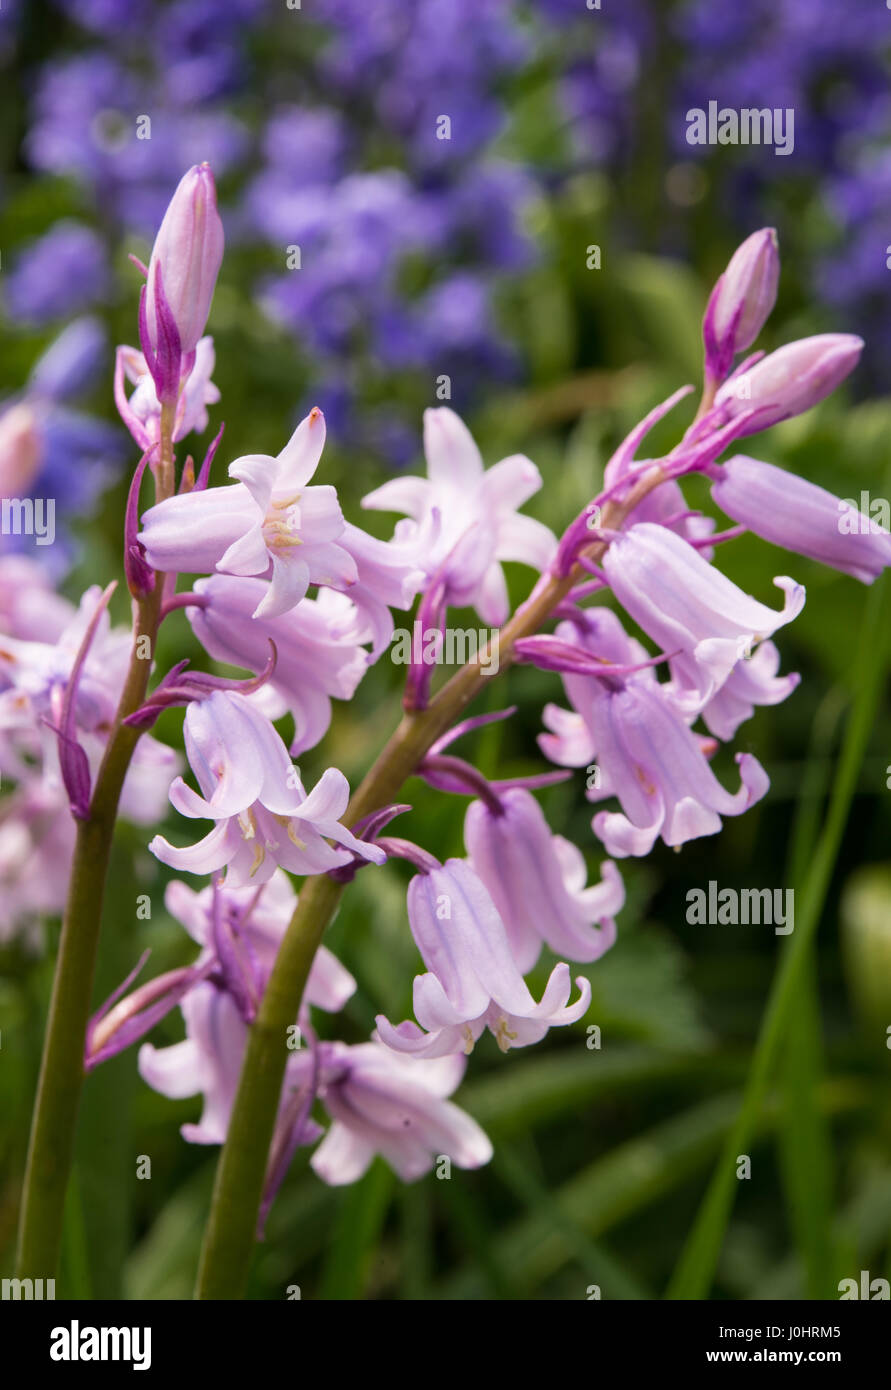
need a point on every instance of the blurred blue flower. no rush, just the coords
(61, 273)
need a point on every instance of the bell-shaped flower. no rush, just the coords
(752, 682)
(791, 512)
(29, 606)
(465, 519)
(254, 921)
(633, 732)
(390, 574)
(207, 1062)
(317, 644)
(537, 881)
(37, 833)
(689, 608)
(398, 1107)
(473, 981)
(269, 523)
(379, 1102)
(252, 791)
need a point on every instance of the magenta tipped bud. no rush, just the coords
(741, 302)
(186, 257)
(790, 380)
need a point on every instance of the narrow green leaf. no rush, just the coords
(696, 1267)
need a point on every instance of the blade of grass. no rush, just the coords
(416, 1243)
(595, 1261)
(357, 1233)
(162, 1265)
(550, 1086)
(494, 1274)
(696, 1268)
(805, 1147)
(623, 1183)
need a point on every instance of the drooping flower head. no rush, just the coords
(537, 881)
(253, 792)
(631, 729)
(693, 611)
(473, 981)
(793, 513)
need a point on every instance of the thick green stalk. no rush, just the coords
(230, 1234)
(54, 1122)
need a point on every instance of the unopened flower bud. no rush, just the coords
(188, 250)
(741, 301)
(792, 379)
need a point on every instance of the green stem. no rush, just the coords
(54, 1122)
(230, 1234)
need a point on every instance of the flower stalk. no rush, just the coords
(54, 1121)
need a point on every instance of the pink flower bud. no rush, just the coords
(790, 380)
(741, 301)
(187, 252)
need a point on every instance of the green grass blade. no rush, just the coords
(696, 1268)
(805, 1147)
(357, 1233)
(597, 1263)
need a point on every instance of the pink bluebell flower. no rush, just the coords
(741, 301)
(379, 1102)
(398, 1107)
(465, 519)
(29, 606)
(141, 413)
(318, 653)
(791, 512)
(692, 610)
(754, 681)
(34, 679)
(631, 729)
(239, 931)
(253, 792)
(789, 381)
(185, 261)
(259, 917)
(473, 981)
(207, 1062)
(389, 575)
(537, 881)
(269, 523)
(36, 849)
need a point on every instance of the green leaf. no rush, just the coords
(669, 302)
